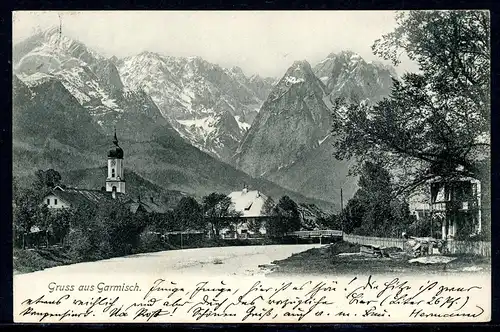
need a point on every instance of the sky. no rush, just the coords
(259, 42)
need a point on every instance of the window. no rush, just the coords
(48, 201)
(112, 172)
(55, 201)
(248, 206)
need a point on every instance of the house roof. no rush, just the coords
(147, 206)
(249, 203)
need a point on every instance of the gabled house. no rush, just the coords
(252, 218)
(458, 204)
(64, 197)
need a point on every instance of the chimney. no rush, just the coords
(113, 192)
(139, 198)
(152, 199)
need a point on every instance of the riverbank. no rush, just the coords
(345, 258)
(36, 259)
(31, 260)
(217, 262)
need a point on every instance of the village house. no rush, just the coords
(253, 217)
(250, 205)
(455, 204)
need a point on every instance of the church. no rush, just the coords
(64, 197)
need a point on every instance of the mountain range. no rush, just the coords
(186, 125)
(67, 99)
(212, 107)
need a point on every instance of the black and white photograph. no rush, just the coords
(251, 166)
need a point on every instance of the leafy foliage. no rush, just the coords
(47, 179)
(188, 214)
(435, 123)
(452, 49)
(286, 217)
(218, 209)
(373, 210)
(149, 240)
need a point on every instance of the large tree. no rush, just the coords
(28, 210)
(436, 122)
(46, 179)
(286, 217)
(188, 214)
(218, 208)
(373, 210)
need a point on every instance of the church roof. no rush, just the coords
(76, 197)
(116, 151)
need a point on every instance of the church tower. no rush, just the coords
(115, 180)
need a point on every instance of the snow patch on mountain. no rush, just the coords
(293, 80)
(243, 125)
(212, 107)
(92, 79)
(324, 139)
(204, 125)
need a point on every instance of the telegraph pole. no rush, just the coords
(342, 209)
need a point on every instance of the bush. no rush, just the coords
(149, 241)
(80, 246)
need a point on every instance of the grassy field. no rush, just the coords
(344, 258)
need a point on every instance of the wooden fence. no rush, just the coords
(482, 248)
(317, 233)
(375, 241)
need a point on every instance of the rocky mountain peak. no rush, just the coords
(346, 74)
(290, 141)
(237, 70)
(289, 124)
(298, 74)
(300, 64)
(199, 98)
(300, 69)
(51, 51)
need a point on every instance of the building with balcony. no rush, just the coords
(457, 204)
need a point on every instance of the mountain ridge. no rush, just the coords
(210, 106)
(291, 142)
(64, 115)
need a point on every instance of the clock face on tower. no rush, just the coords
(113, 162)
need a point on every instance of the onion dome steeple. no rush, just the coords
(116, 151)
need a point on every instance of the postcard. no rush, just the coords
(251, 166)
